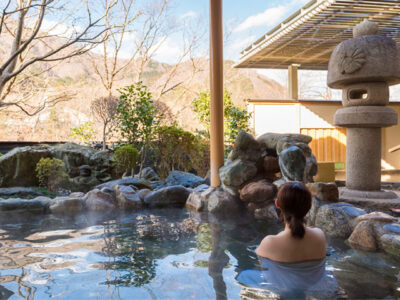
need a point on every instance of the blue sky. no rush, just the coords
(244, 21)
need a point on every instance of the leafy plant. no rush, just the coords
(50, 173)
(137, 117)
(176, 148)
(126, 158)
(235, 118)
(84, 132)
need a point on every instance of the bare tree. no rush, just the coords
(104, 109)
(30, 25)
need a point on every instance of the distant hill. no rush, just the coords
(78, 77)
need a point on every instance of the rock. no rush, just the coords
(198, 199)
(270, 140)
(97, 200)
(168, 196)
(392, 228)
(17, 167)
(267, 213)
(143, 193)
(235, 173)
(77, 195)
(85, 171)
(328, 192)
(185, 179)
(312, 214)
(363, 237)
(107, 190)
(292, 162)
(66, 205)
(246, 148)
(149, 174)
(21, 206)
(127, 197)
(337, 219)
(223, 204)
(278, 183)
(259, 191)
(377, 216)
(19, 192)
(391, 243)
(139, 183)
(155, 185)
(271, 164)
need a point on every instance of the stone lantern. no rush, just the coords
(364, 67)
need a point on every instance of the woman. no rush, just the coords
(294, 259)
(296, 243)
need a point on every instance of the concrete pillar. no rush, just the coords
(216, 91)
(293, 83)
(363, 159)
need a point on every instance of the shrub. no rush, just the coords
(176, 148)
(50, 173)
(126, 158)
(137, 117)
(1, 154)
(235, 118)
(84, 132)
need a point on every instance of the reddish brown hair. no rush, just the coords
(294, 200)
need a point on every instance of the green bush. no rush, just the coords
(178, 149)
(1, 154)
(126, 158)
(235, 118)
(50, 173)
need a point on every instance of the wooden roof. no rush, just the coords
(308, 36)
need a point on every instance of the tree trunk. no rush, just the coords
(142, 160)
(104, 137)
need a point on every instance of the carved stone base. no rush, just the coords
(382, 200)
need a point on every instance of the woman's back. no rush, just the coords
(283, 247)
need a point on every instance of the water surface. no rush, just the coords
(157, 254)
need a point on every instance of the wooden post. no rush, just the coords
(217, 91)
(293, 82)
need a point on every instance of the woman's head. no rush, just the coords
(294, 200)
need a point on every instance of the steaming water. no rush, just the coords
(155, 255)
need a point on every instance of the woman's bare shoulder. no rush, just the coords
(267, 246)
(316, 232)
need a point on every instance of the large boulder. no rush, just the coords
(338, 219)
(17, 167)
(271, 164)
(35, 206)
(267, 213)
(171, 196)
(292, 162)
(127, 197)
(369, 230)
(260, 191)
(223, 204)
(246, 148)
(328, 192)
(236, 173)
(149, 174)
(66, 205)
(185, 179)
(270, 140)
(391, 243)
(139, 183)
(198, 199)
(96, 200)
(19, 192)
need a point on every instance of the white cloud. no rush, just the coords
(270, 17)
(240, 43)
(167, 51)
(189, 14)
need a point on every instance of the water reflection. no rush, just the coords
(152, 255)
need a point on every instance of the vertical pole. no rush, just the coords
(217, 91)
(293, 82)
